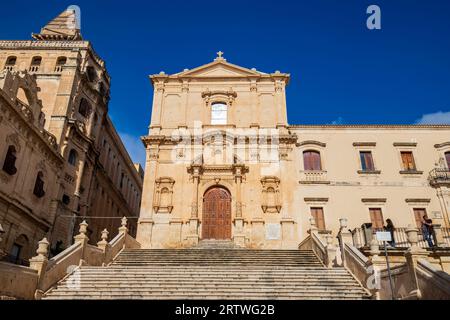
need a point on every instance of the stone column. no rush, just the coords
(412, 255)
(374, 267)
(104, 246)
(238, 178)
(79, 180)
(193, 235)
(345, 237)
(194, 205)
(39, 263)
(238, 234)
(82, 238)
(331, 251)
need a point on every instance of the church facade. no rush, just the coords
(224, 163)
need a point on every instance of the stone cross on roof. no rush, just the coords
(220, 56)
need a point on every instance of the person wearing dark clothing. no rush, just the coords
(390, 228)
(427, 230)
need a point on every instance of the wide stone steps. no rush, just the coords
(218, 257)
(210, 274)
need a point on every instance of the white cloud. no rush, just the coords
(338, 121)
(435, 118)
(134, 147)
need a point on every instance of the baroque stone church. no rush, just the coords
(224, 163)
(227, 180)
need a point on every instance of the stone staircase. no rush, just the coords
(216, 244)
(210, 273)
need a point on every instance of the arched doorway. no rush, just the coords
(216, 219)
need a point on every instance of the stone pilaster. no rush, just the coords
(443, 194)
(145, 222)
(238, 234)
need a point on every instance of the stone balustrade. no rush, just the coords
(324, 249)
(44, 273)
(412, 272)
(314, 176)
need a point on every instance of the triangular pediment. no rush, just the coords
(219, 68)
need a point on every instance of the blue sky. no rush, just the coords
(341, 71)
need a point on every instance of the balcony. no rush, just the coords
(439, 177)
(314, 177)
(362, 238)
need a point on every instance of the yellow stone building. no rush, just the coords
(223, 162)
(55, 128)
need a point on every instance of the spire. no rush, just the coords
(65, 26)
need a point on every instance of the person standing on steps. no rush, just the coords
(390, 228)
(427, 230)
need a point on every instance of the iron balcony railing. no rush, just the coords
(362, 238)
(439, 176)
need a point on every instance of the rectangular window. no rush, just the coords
(376, 217)
(219, 113)
(366, 161)
(418, 216)
(312, 161)
(408, 161)
(15, 252)
(317, 214)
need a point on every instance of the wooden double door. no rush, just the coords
(216, 219)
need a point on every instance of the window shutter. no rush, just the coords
(376, 217)
(307, 161)
(317, 164)
(418, 215)
(317, 214)
(311, 160)
(367, 161)
(408, 161)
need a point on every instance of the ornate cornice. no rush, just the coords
(417, 200)
(48, 141)
(311, 142)
(370, 126)
(364, 144)
(205, 168)
(316, 199)
(405, 144)
(205, 137)
(51, 45)
(373, 200)
(442, 145)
